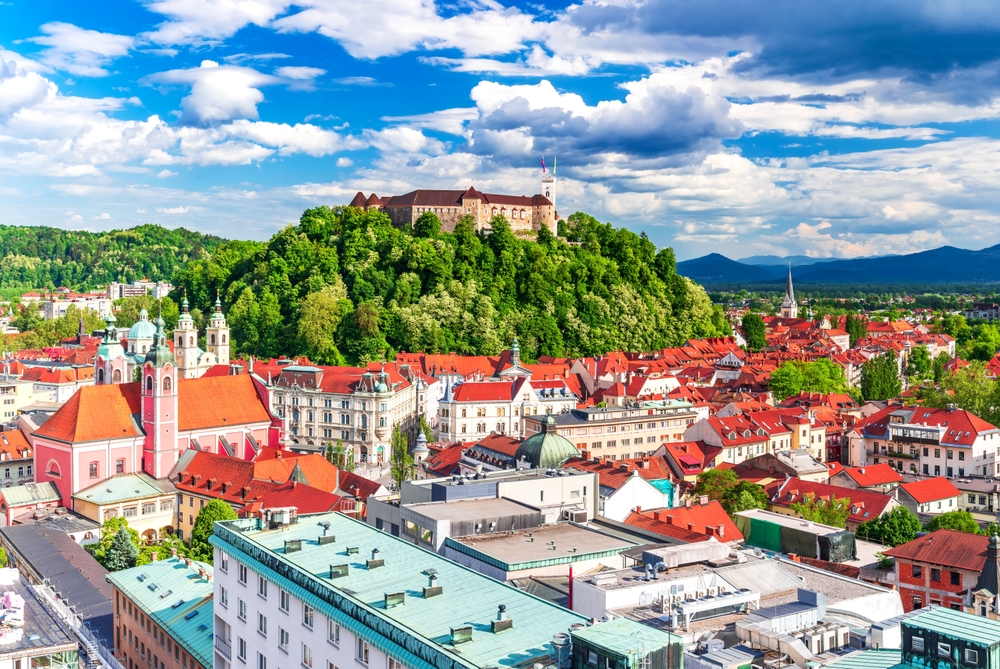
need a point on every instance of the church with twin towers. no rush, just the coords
(526, 213)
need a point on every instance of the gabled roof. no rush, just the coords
(871, 475)
(31, 493)
(949, 548)
(484, 391)
(703, 519)
(445, 461)
(499, 443)
(312, 469)
(218, 401)
(14, 445)
(305, 498)
(95, 413)
(124, 488)
(931, 490)
(865, 504)
(358, 486)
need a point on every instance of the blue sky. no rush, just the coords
(740, 126)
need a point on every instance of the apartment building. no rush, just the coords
(336, 593)
(935, 442)
(748, 435)
(621, 433)
(358, 406)
(163, 614)
(472, 409)
(16, 394)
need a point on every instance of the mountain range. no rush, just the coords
(945, 265)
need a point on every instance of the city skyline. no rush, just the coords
(744, 128)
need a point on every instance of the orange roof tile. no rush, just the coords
(94, 413)
(218, 401)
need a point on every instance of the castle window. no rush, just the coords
(166, 384)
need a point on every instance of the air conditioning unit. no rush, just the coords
(579, 516)
(722, 589)
(711, 591)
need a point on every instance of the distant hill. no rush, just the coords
(945, 265)
(794, 261)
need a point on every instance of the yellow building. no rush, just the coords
(146, 503)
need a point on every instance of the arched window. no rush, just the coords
(213, 340)
(463, 412)
(191, 341)
(52, 469)
(100, 376)
(143, 348)
(223, 339)
(167, 384)
(149, 384)
(116, 376)
(494, 211)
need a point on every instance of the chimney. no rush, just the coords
(661, 516)
(173, 552)
(722, 530)
(687, 503)
(638, 510)
(690, 527)
(862, 470)
(154, 556)
(703, 500)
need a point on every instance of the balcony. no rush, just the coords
(223, 648)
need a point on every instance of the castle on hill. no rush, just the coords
(524, 213)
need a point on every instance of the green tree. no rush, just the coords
(954, 520)
(122, 553)
(745, 496)
(319, 317)
(894, 528)
(880, 377)
(754, 332)
(968, 388)
(715, 483)
(856, 328)
(940, 360)
(425, 427)
(400, 460)
(786, 381)
(833, 512)
(3, 558)
(215, 511)
(919, 362)
(109, 528)
(427, 225)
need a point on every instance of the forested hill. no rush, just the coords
(344, 284)
(35, 257)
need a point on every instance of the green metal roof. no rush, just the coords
(958, 625)
(122, 488)
(31, 493)
(418, 631)
(567, 558)
(867, 659)
(157, 588)
(619, 636)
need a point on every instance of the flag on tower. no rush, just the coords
(554, 166)
(543, 164)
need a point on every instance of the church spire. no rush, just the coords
(789, 290)
(789, 308)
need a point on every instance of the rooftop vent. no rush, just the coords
(353, 550)
(339, 570)
(375, 562)
(460, 635)
(293, 545)
(394, 599)
(502, 622)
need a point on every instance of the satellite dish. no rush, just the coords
(758, 552)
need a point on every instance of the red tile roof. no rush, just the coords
(701, 519)
(948, 548)
(486, 391)
(316, 470)
(14, 445)
(95, 413)
(445, 461)
(500, 443)
(218, 401)
(872, 475)
(616, 474)
(865, 504)
(305, 498)
(931, 490)
(358, 486)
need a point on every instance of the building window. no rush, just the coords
(167, 505)
(334, 633)
(262, 623)
(307, 656)
(362, 651)
(262, 586)
(918, 603)
(241, 649)
(971, 656)
(93, 470)
(307, 615)
(148, 508)
(395, 664)
(917, 571)
(224, 596)
(935, 575)
(243, 574)
(261, 661)
(242, 610)
(956, 578)
(944, 650)
(130, 511)
(283, 599)
(917, 643)
(224, 562)
(119, 466)
(283, 639)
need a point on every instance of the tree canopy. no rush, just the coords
(880, 377)
(725, 487)
(833, 512)
(345, 284)
(820, 376)
(896, 527)
(754, 331)
(954, 520)
(215, 510)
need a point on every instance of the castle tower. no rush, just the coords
(186, 344)
(217, 335)
(110, 365)
(159, 407)
(549, 183)
(789, 308)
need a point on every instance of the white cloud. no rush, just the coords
(173, 210)
(165, 174)
(79, 51)
(209, 21)
(104, 216)
(344, 162)
(299, 73)
(452, 121)
(218, 93)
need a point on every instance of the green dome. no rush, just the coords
(142, 329)
(547, 448)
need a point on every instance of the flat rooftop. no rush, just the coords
(421, 627)
(42, 631)
(791, 521)
(470, 509)
(527, 546)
